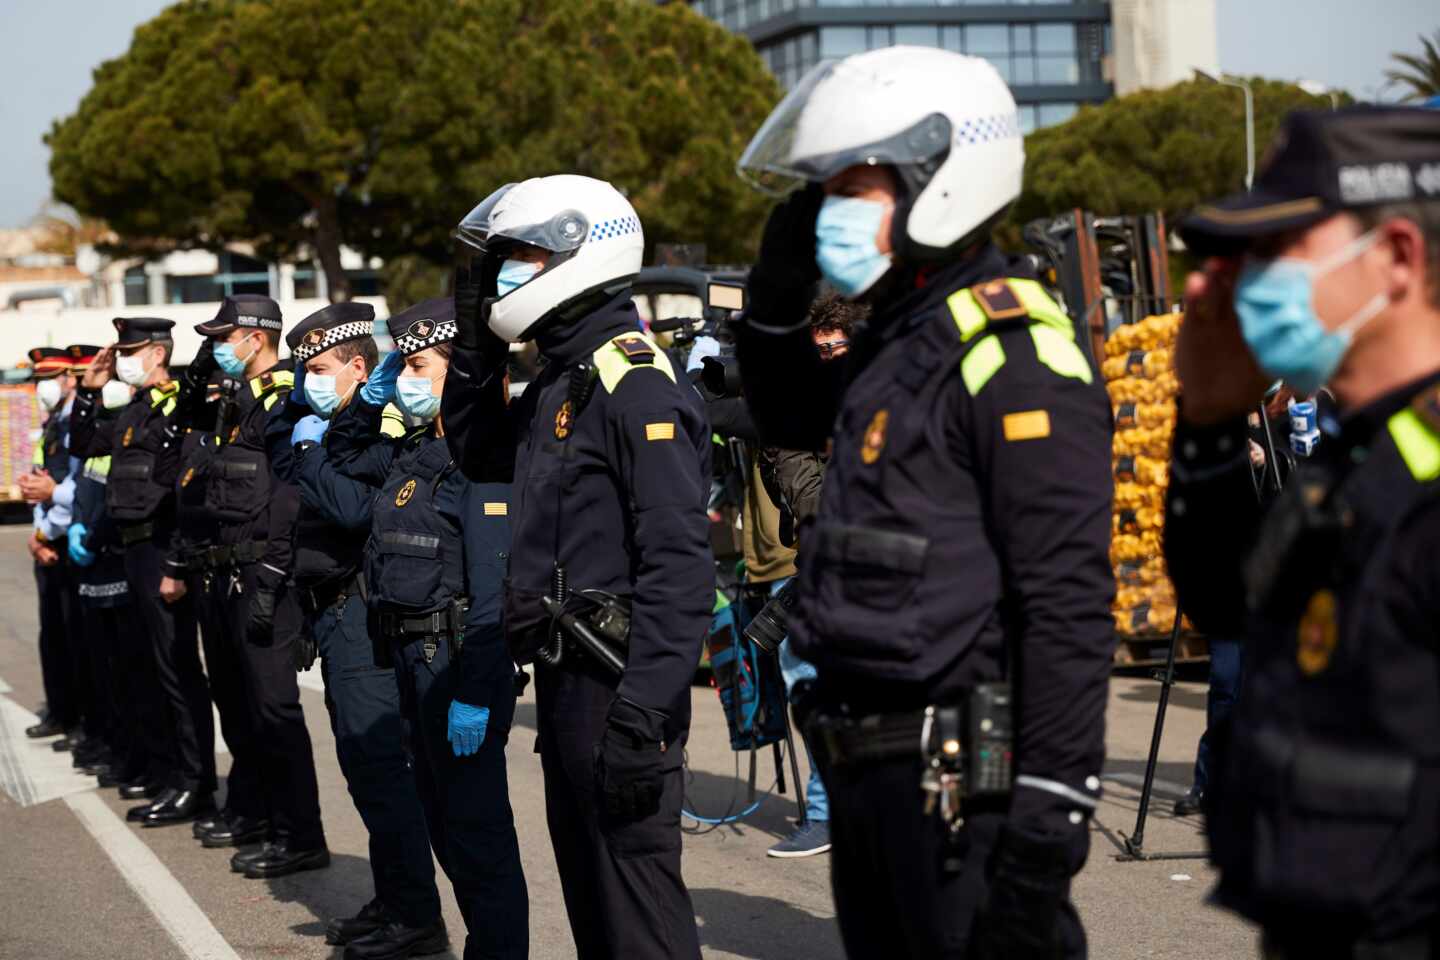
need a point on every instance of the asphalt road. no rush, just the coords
(76, 882)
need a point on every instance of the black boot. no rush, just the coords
(237, 831)
(395, 941)
(45, 728)
(371, 917)
(1191, 803)
(279, 859)
(183, 807)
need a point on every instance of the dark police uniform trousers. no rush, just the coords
(363, 699)
(66, 682)
(436, 538)
(143, 444)
(1322, 813)
(256, 519)
(609, 458)
(192, 560)
(963, 537)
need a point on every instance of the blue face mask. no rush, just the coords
(1275, 303)
(228, 361)
(321, 395)
(416, 396)
(514, 274)
(845, 248)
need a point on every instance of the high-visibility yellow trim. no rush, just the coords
(97, 467)
(1040, 306)
(37, 453)
(981, 362)
(274, 380)
(613, 365)
(168, 407)
(392, 422)
(1059, 353)
(270, 400)
(969, 318)
(1418, 445)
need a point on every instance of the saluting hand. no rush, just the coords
(101, 370)
(1219, 378)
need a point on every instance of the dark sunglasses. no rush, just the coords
(831, 347)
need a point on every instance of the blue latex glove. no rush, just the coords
(75, 538)
(309, 428)
(380, 388)
(467, 727)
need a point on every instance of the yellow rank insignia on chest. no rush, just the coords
(1029, 425)
(874, 440)
(404, 494)
(189, 475)
(129, 435)
(1317, 635)
(564, 417)
(234, 434)
(659, 431)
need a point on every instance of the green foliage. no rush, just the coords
(1421, 74)
(379, 123)
(1167, 150)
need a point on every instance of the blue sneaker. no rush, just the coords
(809, 838)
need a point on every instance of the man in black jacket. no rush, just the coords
(609, 457)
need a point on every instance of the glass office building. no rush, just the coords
(1053, 54)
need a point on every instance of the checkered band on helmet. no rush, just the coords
(425, 333)
(316, 341)
(261, 323)
(618, 227)
(986, 129)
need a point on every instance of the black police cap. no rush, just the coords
(46, 362)
(329, 327)
(1321, 163)
(427, 324)
(80, 356)
(138, 331)
(247, 310)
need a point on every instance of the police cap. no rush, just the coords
(427, 324)
(1323, 162)
(47, 362)
(138, 331)
(81, 355)
(329, 327)
(243, 310)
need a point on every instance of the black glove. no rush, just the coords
(196, 382)
(631, 761)
(203, 365)
(1020, 919)
(260, 625)
(782, 282)
(468, 325)
(305, 651)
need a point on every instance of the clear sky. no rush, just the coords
(49, 47)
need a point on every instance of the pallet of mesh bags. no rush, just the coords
(1142, 634)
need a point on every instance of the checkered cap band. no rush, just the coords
(407, 343)
(986, 129)
(618, 227)
(261, 323)
(312, 346)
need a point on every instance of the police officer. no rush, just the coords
(335, 356)
(610, 461)
(124, 681)
(144, 444)
(435, 563)
(1322, 807)
(64, 689)
(957, 574)
(246, 569)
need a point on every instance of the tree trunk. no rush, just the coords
(327, 248)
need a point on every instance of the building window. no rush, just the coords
(917, 35)
(137, 287)
(1027, 118)
(1049, 114)
(836, 42)
(306, 287)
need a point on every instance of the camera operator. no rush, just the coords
(1322, 811)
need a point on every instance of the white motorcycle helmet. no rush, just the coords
(946, 122)
(594, 237)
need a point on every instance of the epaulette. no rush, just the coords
(999, 301)
(635, 348)
(271, 380)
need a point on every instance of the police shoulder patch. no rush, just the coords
(1318, 634)
(874, 440)
(129, 435)
(564, 419)
(635, 348)
(403, 495)
(189, 475)
(999, 301)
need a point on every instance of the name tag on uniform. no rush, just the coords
(1029, 425)
(496, 509)
(659, 431)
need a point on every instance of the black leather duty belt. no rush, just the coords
(215, 558)
(847, 740)
(403, 626)
(135, 533)
(321, 597)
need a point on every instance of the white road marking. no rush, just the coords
(177, 912)
(31, 772)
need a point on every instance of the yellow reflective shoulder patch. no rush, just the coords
(1059, 353)
(614, 364)
(1419, 448)
(1027, 425)
(969, 318)
(659, 431)
(392, 422)
(493, 509)
(981, 362)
